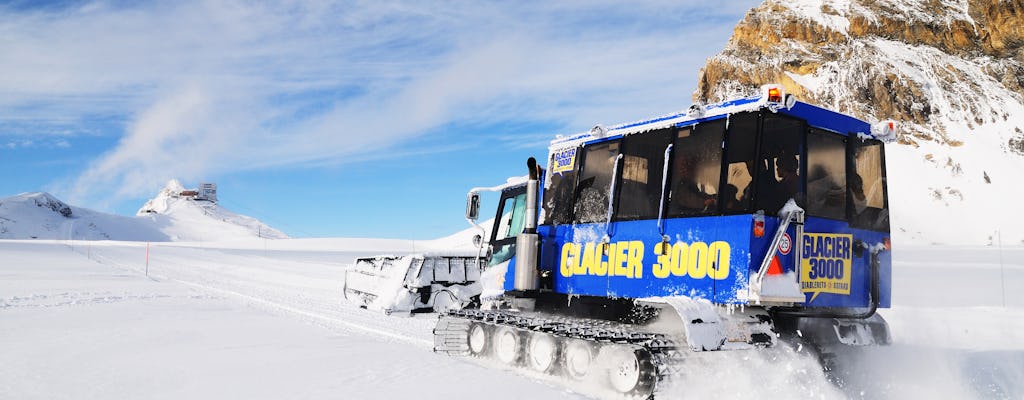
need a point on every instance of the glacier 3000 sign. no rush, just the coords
(696, 260)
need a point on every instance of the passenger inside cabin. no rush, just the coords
(687, 197)
(765, 179)
(730, 197)
(857, 192)
(823, 192)
(786, 167)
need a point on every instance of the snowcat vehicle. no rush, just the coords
(725, 227)
(422, 282)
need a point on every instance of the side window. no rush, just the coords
(512, 217)
(778, 164)
(738, 192)
(826, 174)
(559, 188)
(509, 223)
(595, 180)
(696, 169)
(642, 169)
(869, 207)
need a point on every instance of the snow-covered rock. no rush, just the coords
(951, 72)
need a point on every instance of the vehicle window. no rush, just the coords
(869, 208)
(595, 181)
(502, 253)
(696, 169)
(826, 174)
(738, 192)
(642, 169)
(556, 208)
(778, 164)
(510, 224)
(512, 217)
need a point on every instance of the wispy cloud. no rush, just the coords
(49, 143)
(210, 87)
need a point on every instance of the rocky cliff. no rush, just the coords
(951, 71)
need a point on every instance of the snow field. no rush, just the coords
(266, 319)
(212, 323)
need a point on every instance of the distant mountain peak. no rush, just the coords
(192, 213)
(174, 214)
(45, 200)
(172, 192)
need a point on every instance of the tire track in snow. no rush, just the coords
(330, 321)
(206, 271)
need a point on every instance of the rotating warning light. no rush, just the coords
(886, 131)
(775, 96)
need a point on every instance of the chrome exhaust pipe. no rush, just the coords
(528, 242)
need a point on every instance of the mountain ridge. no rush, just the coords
(166, 217)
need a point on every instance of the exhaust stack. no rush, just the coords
(528, 242)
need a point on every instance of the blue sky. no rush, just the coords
(354, 119)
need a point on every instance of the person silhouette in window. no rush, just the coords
(823, 192)
(762, 179)
(687, 196)
(730, 199)
(786, 167)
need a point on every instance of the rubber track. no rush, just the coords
(451, 335)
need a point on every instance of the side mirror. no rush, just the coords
(478, 240)
(473, 206)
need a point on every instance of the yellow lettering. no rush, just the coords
(661, 269)
(600, 267)
(679, 259)
(567, 256)
(635, 263)
(588, 259)
(698, 261)
(621, 269)
(720, 254)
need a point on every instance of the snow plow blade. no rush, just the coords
(414, 283)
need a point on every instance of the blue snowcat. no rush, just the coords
(725, 227)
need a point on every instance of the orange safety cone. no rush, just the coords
(775, 268)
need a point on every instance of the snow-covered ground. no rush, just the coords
(265, 319)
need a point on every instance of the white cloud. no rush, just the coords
(211, 87)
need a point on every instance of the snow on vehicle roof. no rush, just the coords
(816, 116)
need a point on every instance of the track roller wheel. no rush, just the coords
(542, 352)
(631, 371)
(479, 339)
(579, 358)
(507, 345)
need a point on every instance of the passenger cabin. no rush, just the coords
(691, 204)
